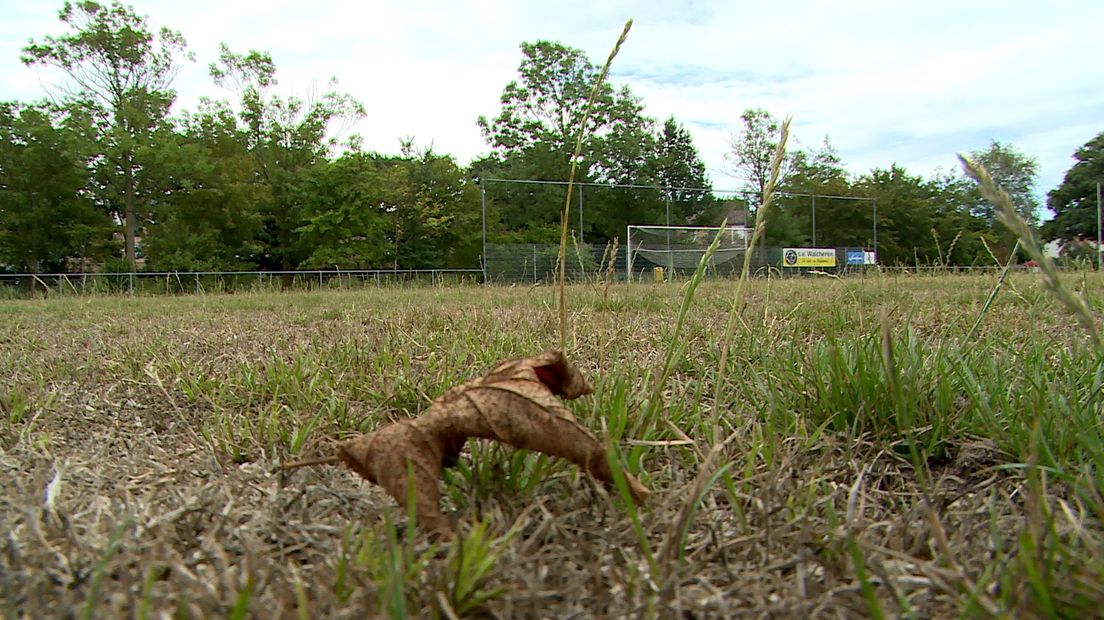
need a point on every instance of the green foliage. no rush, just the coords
(122, 73)
(372, 211)
(1013, 171)
(47, 216)
(941, 220)
(344, 215)
(436, 215)
(839, 221)
(752, 149)
(904, 218)
(256, 183)
(209, 220)
(547, 104)
(678, 168)
(1074, 202)
(286, 137)
(533, 139)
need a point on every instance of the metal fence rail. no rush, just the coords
(199, 282)
(505, 264)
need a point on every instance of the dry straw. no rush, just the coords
(571, 180)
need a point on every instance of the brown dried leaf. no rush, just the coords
(515, 403)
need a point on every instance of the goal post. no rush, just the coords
(681, 247)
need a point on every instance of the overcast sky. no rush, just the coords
(886, 80)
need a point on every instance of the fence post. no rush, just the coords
(130, 286)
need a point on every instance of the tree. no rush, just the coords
(679, 169)
(906, 215)
(1074, 200)
(1013, 171)
(287, 137)
(818, 179)
(534, 136)
(545, 109)
(366, 210)
(47, 216)
(964, 238)
(752, 150)
(547, 105)
(207, 217)
(122, 72)
(345, 215)
(438, 223)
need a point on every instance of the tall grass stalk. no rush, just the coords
(1048, 271)
(1039, 543)
(566, 217)
(992, 295)
(738, 297)
(610, 265)
(709, 471)
(677, 345)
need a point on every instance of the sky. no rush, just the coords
(886, 81)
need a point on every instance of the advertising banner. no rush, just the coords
(808, 257)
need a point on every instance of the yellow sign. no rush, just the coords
(808, 257)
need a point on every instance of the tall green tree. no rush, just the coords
(963, 237)
(47, 216)
(546, 105)
(816, 184)
(287, 137)
(1074, 201)
(207, 216)
(751, 150)
(680, 171)
(369, 211)
(437, 222)
(123, 73)
(533, 138)
(345, 212)
(906, 215)
(1014, 171)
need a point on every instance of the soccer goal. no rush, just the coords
(681, 247)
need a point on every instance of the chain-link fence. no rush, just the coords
(538, 262)
(532, 262)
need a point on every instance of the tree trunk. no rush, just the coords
(128, 210)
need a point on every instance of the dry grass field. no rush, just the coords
(862, 454)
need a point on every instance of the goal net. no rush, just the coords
(677, 248)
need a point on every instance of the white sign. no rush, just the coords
(808, 257)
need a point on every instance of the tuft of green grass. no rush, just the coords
(471, 562)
